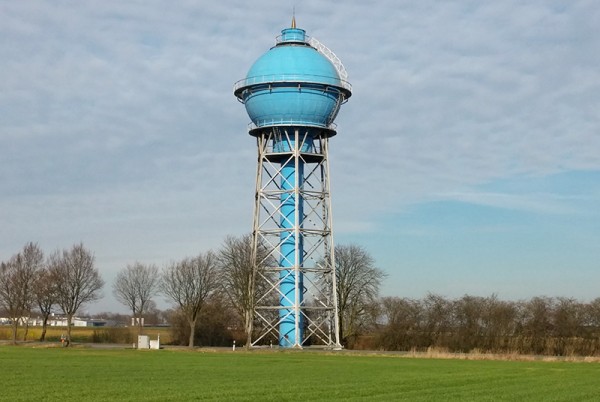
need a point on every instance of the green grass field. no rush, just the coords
(85, 374)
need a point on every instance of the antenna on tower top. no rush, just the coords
(294, 17)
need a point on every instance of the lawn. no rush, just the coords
(85, 374)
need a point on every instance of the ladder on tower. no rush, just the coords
(337, 63)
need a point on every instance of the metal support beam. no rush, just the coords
(296, 305)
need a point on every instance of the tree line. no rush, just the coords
(541, 325)
(213, 297)
(213, 293)
(67, 279)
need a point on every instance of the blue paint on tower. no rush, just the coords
(293, 85)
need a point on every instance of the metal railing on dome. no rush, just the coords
(295, 78)
(288, 122)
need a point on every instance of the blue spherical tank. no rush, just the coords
(292, 84)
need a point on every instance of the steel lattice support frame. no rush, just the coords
(295, 284)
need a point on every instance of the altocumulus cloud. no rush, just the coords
(119, 128)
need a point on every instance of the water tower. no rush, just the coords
(292, 94)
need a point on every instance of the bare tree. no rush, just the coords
(469, 312)
(77, 281)
(189, 284)
(400, 322)
(16, 284)
(438, 318)
(593, 313)
(9, 294)
(358, 282)
(135, 286)
(44, 290)
(568, 317)
(536, 321)
(32, 263)
(152, 314)
(236, 270)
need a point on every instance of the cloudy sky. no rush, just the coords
(466, 161)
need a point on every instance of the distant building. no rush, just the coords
(56, 321)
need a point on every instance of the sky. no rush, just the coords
(467, 160)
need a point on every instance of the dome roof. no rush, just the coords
(292, 84)
(295, 61)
